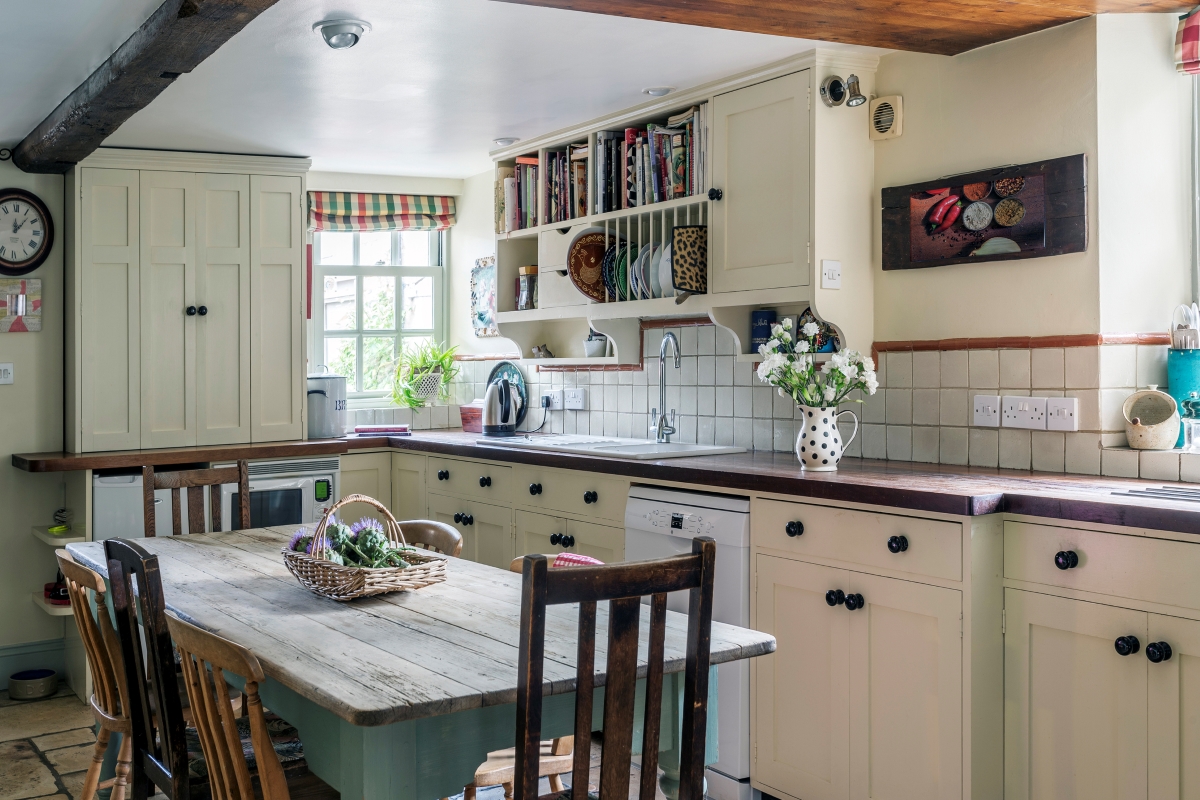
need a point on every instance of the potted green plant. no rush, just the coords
(423, 373)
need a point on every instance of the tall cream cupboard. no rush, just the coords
(185, 296)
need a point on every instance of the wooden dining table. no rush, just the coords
(401, 696)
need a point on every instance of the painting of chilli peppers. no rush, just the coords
(1024, 211)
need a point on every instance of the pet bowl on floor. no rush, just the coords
(32, 684)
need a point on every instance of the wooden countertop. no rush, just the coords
(967, 491)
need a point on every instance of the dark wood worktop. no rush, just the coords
(966, 491)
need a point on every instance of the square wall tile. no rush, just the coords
(899, 443)
(1083, 453)
(873, 406)
(983, 369)
(900, 370)
(1152, 365)
(743, 432)
(743, 401)
(706, 340)
(1082, 367)
(1159, 465)
(1048, 451)
(724, 401)
(1119, 463)
(954, 373)
(1014, 369)
(925, 444)
(725, 343)
(1113, 440)
(1089, 408)
(983, 449)
(764, 402)
(1118, 365)
(1046, 368)
(899, 407)
(724, 370)
(926, 369)
(764, 434)
(706, 403)
(724, 433)
(955, 407)
(854, 447)
(1111, 416)
(926, 407)
(706, 430)
(874, 441)
(706, 371)
(881, 369)
(953, 445)
(784, 435)
(1015, 449)
(687, 340)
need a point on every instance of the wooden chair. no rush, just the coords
(431, 535)
(623, 585)
(194, 480)
(103, 651)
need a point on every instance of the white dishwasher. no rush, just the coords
(663, 522)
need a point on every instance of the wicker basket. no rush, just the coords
(346, 583)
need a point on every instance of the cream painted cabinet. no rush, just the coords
(486, 529)
(534, 532)
(408, 486)
(1173, 711)
(369, 474)
(760, 162)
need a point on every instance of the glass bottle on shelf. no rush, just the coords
(1191, 423)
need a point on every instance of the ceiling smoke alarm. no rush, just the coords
(886, 117)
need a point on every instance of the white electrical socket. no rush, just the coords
(987, 410)
(6, 373)
(831, 274)
(1024, 412)
(556, 399)
(1062, 413)
(576, 399)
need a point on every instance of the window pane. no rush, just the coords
(379, 363)
(418, 302)
(379, 303)
(340, 302)
(340, 356)
(411, 343)
(414, 248)
(375, 249)
(337, 248)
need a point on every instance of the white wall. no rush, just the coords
(382, 184)
(474, 236)
(31, 420)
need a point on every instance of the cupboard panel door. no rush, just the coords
(533, 531)
(1074, 709)
(408, 486)
(277, 385)
(905, 691)
(223, 293)
(760, 160)
(110, 298)
(800, 693)
(168, 201)
(1174, 710)
(369, 474)
(487, 536)
(603, 542)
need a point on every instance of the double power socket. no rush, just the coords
(1033, 413)
(570, 399)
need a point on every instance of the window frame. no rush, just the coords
(439, 249)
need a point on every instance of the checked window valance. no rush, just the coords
(356, 211)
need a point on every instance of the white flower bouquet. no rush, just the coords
(788, 365)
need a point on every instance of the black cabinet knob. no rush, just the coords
(191, 311)
(1127, 645)
(590, 497)
(794, 528)
(855, 601)
(443, 474)
(715, 194)
(1066, 559)
(458, 517)
(898, 544)
(535, 488)
(202, 311)
(568, 541)
(835, 597)
(485, 482)
(1158, 652)
(556, 538)
(468, 519)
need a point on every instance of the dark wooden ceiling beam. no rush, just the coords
(173, 41)
(945, 27)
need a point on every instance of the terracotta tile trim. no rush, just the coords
(1024, 342)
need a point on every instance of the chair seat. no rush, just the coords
(285, 740)
(500, 766)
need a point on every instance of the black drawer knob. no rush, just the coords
(1127, 645)
(715, 194)
(535, 488)
(1066, 559)
(568, 540)
(590, 497)
(202, 311)
(468, 519)
(855, 601)
(458, 517)
(835, 597)
(485, 482)
(898, 544)
(191, 311)
(1158, 652)
(556, 538)
(443, 474)
(794, 528)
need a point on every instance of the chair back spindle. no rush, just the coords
(194, 481)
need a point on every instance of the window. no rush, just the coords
(374, 293)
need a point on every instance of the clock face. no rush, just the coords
(26, 232)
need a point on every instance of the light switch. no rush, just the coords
(831, 274)
(6, 373)
(987, 410)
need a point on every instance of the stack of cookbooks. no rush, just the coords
(639, 166)
(566, 189)
(516, 195)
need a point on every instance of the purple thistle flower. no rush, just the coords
(296, 537)
(364, 524)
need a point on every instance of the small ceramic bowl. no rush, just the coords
(32, 684)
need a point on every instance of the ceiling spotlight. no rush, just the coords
(341, 34)
(856, 97)
(658, 91)
(505, 141)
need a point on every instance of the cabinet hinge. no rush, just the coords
(808, 253)
(756, 752)
(810, 98)
(1003, 622)
(960, 625)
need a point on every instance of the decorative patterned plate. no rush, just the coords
(622, 273)
(507, 369)
(584, 258)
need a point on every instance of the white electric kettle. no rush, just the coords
(501, 406)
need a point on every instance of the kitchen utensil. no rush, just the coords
(507, 369)
(689, 258)
(328, 417)
(584, 259)
(1185, 321)
(1151, 420)
(500, 409)
(1183, 377)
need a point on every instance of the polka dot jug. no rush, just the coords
(819, 444)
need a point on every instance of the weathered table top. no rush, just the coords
(444, 648)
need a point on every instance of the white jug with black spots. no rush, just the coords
(819, 444)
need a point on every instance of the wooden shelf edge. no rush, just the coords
(55, 541)
(54, 611)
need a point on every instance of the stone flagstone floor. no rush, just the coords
(45, 747)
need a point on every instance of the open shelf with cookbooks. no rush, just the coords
(518, 193)
(565, 189)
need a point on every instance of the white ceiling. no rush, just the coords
(423, 94)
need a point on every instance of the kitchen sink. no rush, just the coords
(610, 447)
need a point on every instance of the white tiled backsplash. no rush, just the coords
(922, 411)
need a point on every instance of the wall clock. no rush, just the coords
(26, 232)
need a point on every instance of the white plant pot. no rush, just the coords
(819, 445)
(428, 386)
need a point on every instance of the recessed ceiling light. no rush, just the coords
(505, 141)
(658, 91)
(341, 34)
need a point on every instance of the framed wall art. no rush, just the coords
(20, 305)
(483, 297)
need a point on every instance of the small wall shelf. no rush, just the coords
(54, 611)
(70, 537)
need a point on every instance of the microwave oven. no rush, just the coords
(284, 492)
